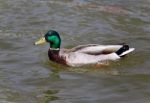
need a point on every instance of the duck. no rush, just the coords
(82, 54)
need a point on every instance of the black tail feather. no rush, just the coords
(122, 49)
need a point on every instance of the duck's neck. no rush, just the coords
(55, 42)
(54, 49)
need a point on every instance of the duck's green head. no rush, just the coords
(51, 37)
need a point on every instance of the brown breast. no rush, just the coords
(54, 56)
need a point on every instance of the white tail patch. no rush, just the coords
(128, 51)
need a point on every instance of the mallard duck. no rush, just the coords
(82, 54)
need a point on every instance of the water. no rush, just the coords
(27, 76)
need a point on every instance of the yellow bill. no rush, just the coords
(40, 41)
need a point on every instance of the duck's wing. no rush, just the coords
(81, 47)
(95, 49)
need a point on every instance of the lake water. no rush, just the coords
(26, 74)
